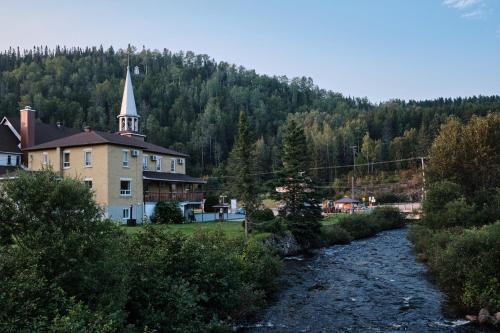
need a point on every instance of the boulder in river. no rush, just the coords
(286, 245)
(484, 317)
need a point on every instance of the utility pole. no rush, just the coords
(353, 169)
(423, 178)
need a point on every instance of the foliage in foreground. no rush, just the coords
(458, 237)
(66, 270)
(464, 262)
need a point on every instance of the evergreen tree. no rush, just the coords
(242, 162)
(300, 208)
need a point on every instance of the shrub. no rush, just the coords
(468, 267)
(193, 283)
(167, 212)
(64, 257)
(333, 234)
(439, 194)
(388, 217)
(210, 202)
(261, 215)
(276, 226)
(385, 197)
(465, 263)
(359, 225)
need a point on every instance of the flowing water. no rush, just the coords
(370, 285)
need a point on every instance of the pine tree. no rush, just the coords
(242, 162)
(300, 208)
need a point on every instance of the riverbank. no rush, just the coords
(371, 285)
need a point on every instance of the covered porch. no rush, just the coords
(161, 186)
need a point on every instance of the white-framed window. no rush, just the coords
(88, 182)
(18, 160)
(125, 154)
(145, 162)
(173, 165)
(9, 160)
(125, 213)
(125, 187)
(158, 163)
(87, 158)
(66, 156)
(45, 158)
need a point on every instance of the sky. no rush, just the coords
(379, 49)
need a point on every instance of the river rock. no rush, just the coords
(286, 245)
(471, 318)
(483, 317)
(497, 316)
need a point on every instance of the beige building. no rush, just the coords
(127, 174)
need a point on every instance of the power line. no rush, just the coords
(331, 167)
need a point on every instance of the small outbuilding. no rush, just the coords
(346, 204)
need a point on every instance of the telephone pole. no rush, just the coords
(423, 178)
(353, 169)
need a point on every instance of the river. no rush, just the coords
(370, 285)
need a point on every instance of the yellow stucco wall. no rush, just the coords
(97, 172)
(116, 172)
(166, 160)
(106, 173)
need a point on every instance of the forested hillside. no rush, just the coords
(191, 103)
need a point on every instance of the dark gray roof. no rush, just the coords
(346, 200)
(172, 177)
(45, 132)
(8, 141)
(97, 137)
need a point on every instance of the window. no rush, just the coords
(18, 160)
(66, 159)
(9, 160)
(45, 158)
(87, 158)
(125, 187)
(172, 165)
(88, 182)
(145, 161)
(126, 213)
(158, 163)
(125, 158)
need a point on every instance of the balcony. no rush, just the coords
(173, 196)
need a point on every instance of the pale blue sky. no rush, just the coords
(380, 49)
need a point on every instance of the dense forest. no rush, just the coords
(192, 103)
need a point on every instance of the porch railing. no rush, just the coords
(173, 196)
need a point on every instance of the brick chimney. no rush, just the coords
(27, 130)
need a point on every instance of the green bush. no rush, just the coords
(63, 257)
(385, 197)
(465, 263)
(167, 212)
(210, 202)
(261, 215)
(388, 217)
(359, 225)
(275, 226)
(193, 283)
(333, 234)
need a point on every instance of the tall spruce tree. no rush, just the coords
(301, 210)
(242, 162)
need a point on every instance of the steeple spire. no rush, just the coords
(128, 117)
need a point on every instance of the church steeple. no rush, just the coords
(128, 117)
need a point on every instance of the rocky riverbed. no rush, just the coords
(370, 285)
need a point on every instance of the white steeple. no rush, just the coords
(128, 118)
